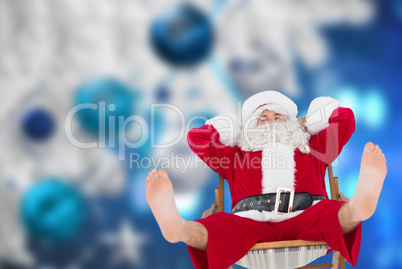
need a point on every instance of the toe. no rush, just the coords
(154, 176)
(150, 174)
(162, 173)
(150, 177)
(369, 147)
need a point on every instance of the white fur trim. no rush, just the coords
(278, 167)
(318, 113)
(269, 97)
(228, 128)
(252, 120)
(265, 216)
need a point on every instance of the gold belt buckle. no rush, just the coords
(278, 196)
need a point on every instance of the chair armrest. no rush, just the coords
(209, 211)
(343, 198)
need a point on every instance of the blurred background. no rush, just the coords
(78, 135)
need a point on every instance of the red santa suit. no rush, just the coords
(248, 173)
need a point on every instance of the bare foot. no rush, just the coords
(369, 185)
(159, 194)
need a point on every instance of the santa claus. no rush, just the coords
(275, 165)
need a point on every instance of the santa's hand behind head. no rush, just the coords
(228, 128)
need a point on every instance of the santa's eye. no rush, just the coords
(279, 118)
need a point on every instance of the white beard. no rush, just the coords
(287, 133)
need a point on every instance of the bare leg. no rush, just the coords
(159, 194)
(369, 185)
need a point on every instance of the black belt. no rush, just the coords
(266, 202)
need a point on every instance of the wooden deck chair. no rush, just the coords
(285, 254)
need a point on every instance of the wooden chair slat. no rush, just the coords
(286, 244)
(217, 199)
(221, 206)
(317, 266)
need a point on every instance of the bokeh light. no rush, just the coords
(38, 124)
(107, 94)
(52, 210)
(349, 97)
(375, 109)
(182, 35)
(186, 203)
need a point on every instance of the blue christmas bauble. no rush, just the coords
(114, 101)
(52, 210)
(38, 124)
(182, 35)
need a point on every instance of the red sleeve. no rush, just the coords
(204, 141)
(328, 143)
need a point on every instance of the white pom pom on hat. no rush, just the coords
(266, 100)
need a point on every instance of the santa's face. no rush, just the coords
(271, 128)
(268, 116)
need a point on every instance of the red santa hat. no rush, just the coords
(271, 100)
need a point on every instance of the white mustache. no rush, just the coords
(288, 133)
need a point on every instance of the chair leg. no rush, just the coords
(343, 266)
(335, 260)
